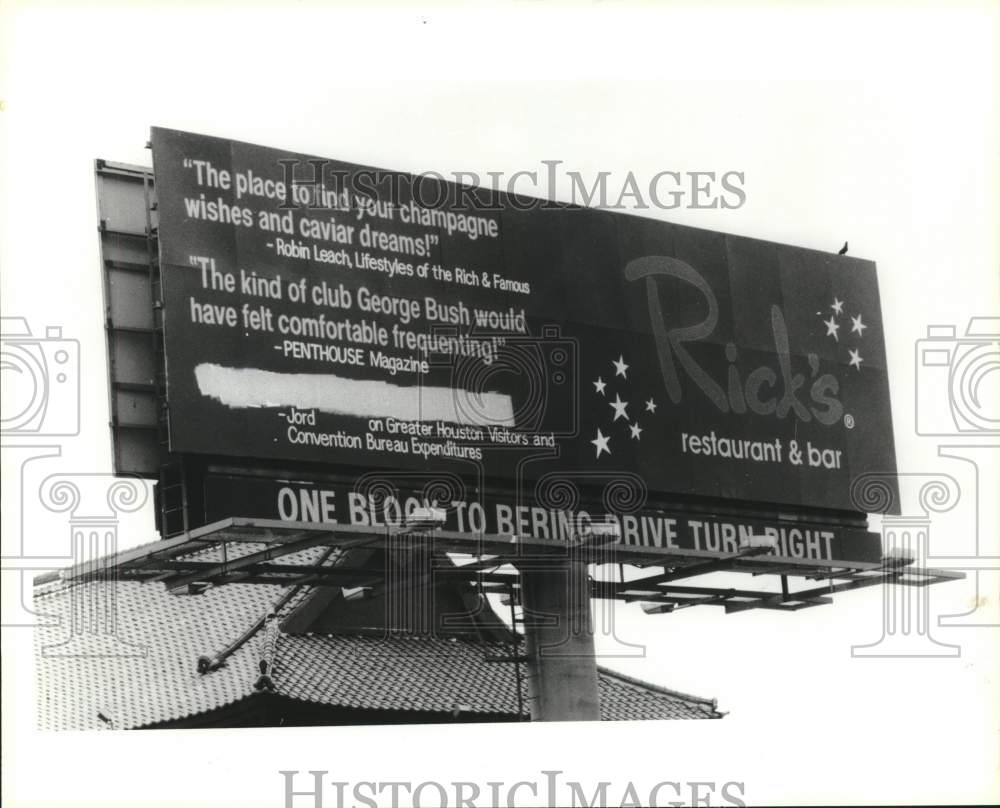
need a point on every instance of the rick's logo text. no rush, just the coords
(764, 391)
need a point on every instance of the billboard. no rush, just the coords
(323, 312)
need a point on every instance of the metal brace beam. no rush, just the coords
(305, 541)
(692, 570)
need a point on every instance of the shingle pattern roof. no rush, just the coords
(140, 669)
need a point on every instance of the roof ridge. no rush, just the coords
(381, 635)
(713, 703)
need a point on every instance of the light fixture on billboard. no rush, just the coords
(898, 557)
(425, 518)
(651, 607)
(600, 534)
(511, 597)
(759, 543)
(350, 593)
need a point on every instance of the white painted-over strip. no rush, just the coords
(243, 388)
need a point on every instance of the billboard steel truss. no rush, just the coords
(256, 551)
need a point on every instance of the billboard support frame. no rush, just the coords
(281, 538)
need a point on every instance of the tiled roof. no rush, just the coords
(626, 699)
(141, 670)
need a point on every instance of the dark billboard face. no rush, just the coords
(324, 312)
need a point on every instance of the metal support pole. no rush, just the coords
(562, 665)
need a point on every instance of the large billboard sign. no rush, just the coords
(323, 312)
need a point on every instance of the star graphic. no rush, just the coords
(856, 359)
(651, 406)
(601, 442)
(832, 327)
(619, 407)
(837, 306)
(636, 430)
(599, 385)
(620, 367)
(857, 325)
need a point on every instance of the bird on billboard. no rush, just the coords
(843, 250)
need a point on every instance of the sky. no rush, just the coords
(876, 126)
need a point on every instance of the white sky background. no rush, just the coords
(873, 126)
